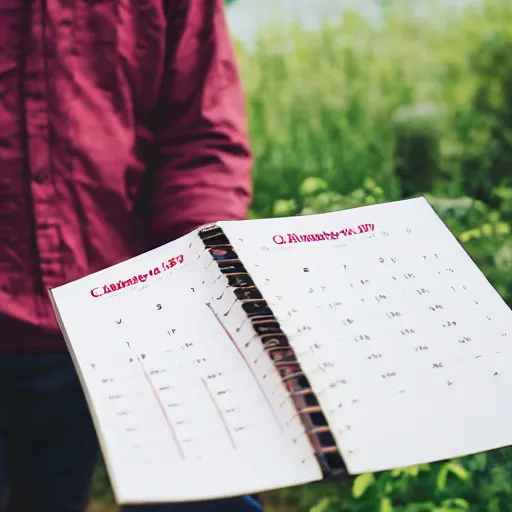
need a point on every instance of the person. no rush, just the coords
(122, 127)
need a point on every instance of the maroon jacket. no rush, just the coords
(122, 126)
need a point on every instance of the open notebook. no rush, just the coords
(254, 355)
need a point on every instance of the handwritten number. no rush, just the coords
(159, 307)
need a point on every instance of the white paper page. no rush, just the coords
(181, 409)
(402, 337)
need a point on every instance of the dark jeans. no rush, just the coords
(48, 446)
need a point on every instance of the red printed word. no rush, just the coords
(141, 278)
(294, 238)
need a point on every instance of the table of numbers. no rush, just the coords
(179, 405)
(405, 343)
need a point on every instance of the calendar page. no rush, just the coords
(403, 340)
(182, 410)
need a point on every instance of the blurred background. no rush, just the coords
(356, 102)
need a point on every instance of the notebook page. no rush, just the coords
(405, 342)
(180, 410)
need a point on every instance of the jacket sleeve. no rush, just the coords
(201, 166)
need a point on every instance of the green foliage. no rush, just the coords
(477, 483)
(101, 488)
(360, 113)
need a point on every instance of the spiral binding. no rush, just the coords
(275, 344)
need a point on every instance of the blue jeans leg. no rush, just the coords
(49, 443)
(243, 504)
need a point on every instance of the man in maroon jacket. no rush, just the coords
(122, 127)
